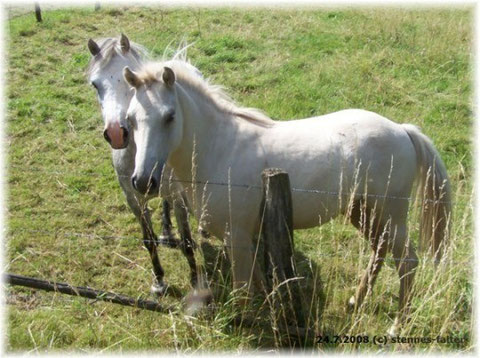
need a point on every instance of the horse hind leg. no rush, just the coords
(370, 275)
(377, 234)
(406, 262)
(387, 231)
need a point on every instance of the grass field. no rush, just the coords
(68, 220)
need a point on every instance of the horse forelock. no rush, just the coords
(110, 47)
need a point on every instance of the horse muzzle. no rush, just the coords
(148, 182)
(145, 186)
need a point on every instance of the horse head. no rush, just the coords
(157, 123)
(109, 57)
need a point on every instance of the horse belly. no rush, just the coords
(312, 209)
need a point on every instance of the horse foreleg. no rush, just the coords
(167, 238)
(149, 239)
(245, 272)
(187, 245)
(150, 242)
(166, 221)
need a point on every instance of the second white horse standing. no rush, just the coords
(109, 57)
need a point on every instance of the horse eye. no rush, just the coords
(170, 117)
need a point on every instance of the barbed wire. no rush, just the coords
(314, 191)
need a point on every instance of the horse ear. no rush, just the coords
(93, 47)
(168, 76)
(131, 77)
(124, 43)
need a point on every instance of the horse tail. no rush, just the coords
(434, 188)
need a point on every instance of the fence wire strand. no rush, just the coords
(197, 182)
(249, 186)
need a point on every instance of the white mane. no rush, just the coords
(189, 77)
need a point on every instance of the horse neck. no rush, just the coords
(203, 126)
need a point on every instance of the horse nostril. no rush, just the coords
(107, 138)
(144, 186)
(125, 134)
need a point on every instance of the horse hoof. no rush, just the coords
(197, 300)
(159, 289)
(351, 304)
(393, 330)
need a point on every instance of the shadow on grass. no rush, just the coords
(258, 319)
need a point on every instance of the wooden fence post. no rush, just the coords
(277, 233)
(38, 12)
(97, 5)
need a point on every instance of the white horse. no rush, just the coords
(109, 57)
(184, 122)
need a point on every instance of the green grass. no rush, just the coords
(410, 66)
